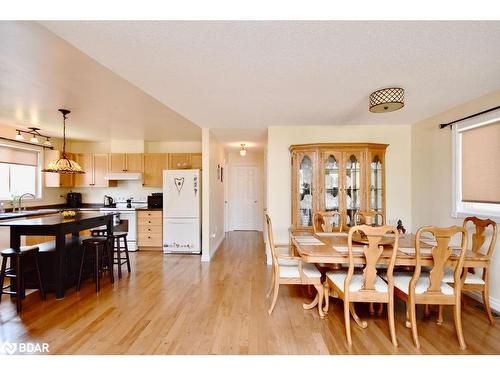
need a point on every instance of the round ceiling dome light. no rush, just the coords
(243, 150)
(387, 100)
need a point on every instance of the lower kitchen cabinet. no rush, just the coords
(150, 229)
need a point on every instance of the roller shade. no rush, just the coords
(481, 164)
(20, 156)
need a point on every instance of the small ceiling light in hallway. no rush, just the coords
(387, 100)
(243, 150)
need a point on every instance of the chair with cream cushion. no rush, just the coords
(479, 281)
(353, 286)
(428, 288)
(288, 269)
(324, 222)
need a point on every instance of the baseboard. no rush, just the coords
(494, 303)
(205, 257)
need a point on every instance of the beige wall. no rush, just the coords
(398, 166)
(432, 175)
(212, 195)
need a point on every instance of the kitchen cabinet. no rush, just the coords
(154, 164)
(185, 161)
(56, 179)
(150, 229)
(126, 163)
(343, 177)
(95, 167)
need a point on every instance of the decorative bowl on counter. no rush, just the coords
(68, 214)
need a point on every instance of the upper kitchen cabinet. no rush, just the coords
(56, 179)
(154, 164)
(345, 177)
(126, 163)
(95, 167)
(184, 161)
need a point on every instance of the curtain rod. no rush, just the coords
(450, 124)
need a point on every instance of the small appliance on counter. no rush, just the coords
(155, 200)
(74, 200)
(108, 201)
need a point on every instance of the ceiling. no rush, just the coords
(240, 77)
(40, 72)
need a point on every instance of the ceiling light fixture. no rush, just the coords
(387, 100)
(19, 136)
(243, 150)
(47, 142)
(63, 164)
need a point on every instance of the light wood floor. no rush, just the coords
(178, 305)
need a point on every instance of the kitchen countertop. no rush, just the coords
(149, 209)
(47, 210)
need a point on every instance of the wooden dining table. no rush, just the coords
(331, 248)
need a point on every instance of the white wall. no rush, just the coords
(432, 175)
(254, 158)
(212, 195)
(398, 166)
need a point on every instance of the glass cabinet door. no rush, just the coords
(376, 178)
(352, 186)
(305, 190)
(331, 184)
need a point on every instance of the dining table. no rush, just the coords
(332, 249)
(58, 226)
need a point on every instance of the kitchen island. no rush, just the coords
(58, 226)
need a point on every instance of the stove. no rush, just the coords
(126, 218)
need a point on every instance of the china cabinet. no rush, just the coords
(343, 177)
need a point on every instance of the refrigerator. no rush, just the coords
(181, 211)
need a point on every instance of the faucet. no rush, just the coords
(21, 200)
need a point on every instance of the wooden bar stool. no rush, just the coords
(18, 257)
(100, 251)
(120, 248)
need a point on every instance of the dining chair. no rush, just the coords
(478, 281)
(366, 286)
(298, 273)
(323, 222)
(429, 288)
(368, 217)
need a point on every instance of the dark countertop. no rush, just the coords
(149, 209)
(54, 219)
(48, 210)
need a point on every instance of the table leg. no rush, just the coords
(60, 265)
(15, 243)
(109, 225)
(313, 304)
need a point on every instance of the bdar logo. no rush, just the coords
(9, 347)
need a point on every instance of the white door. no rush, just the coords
(181, 193)
(244, 198)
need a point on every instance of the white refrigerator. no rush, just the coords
(181, 211)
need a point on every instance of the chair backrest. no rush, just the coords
(270, 238)
(441, 252)
(479, 236)
(323, 222)
(368, 217)
(372, 252)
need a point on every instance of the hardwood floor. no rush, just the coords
(177, 305)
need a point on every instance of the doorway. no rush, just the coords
(245, 198)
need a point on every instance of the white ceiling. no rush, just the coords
(40, 72)
(251, 74)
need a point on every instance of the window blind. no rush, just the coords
(13, 155)
(481, 164)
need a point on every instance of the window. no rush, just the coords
(20, 171)
(476, 159)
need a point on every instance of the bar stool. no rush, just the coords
(119, 249)
(19, 258)
(100, 250)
